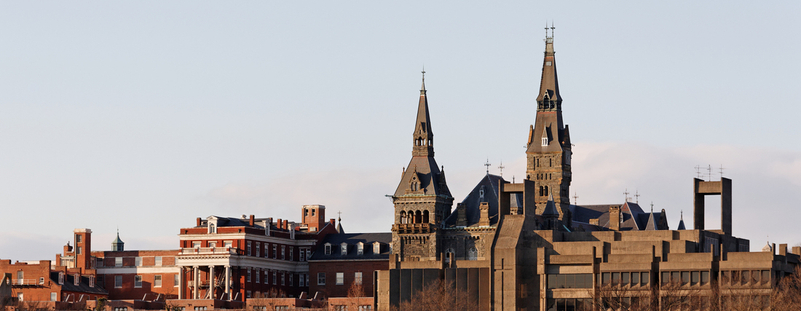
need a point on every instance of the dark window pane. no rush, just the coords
(570, 281)
(745, 276)
(615, 278)
(551, 304)
(754, 277)
(570, 304)
(685, 277)
(560, 304)
(704, 277)
(665, 278)
(695, 277)
(765, 276)
(724, 277)
(552, 281)
(606, 278)
(645, 278)
(560, 281)
(675, 276)
(624, 278)
(635, 278)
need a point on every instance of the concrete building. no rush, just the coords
(523, 246)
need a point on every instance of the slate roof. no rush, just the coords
(82, 287)
(634, 218)
(336, 240)
(473, 200)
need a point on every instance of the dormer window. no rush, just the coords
(343, 249)
(328, 248)
(77, 279)
(360, 249)
(91, 281)
(377, 248)
(61, 278)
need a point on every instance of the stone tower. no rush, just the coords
(422, 200)
(548, 149)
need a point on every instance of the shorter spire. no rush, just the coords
(423, 87)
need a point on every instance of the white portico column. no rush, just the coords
(211, 282)
(228, 282)
(196, 281)
(181, 282)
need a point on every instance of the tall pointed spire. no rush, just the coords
(549, 98)
(423, 137)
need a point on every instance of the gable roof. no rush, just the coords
(352, 239)
(489, 186)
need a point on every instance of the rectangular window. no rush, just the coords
(301, 280)
(320, 278)
(635, 278)
(138, 261)
(624, 278)
(685, 277)
(176, 280)
(645, 278)
(283, 276)
(302, 255)
(20, 297)
(78, 250)
(765, 277)
(754, 277)
(76, 278)
(340, 278)
(99, 262)
(357, 278)
(360, 249)
(157, 281)
(695, 277)
(291, 252)
(377, 248)
(117, 281)
(248, 277)
(274, 254)
(158, 260)
(53, 296)
(704, 277)
(266, 278)
(258, 274)
(196, 244)
(724, 277)
(607, 278)
(41, 281)
(291, 277)
(283, 252)
(275, 278)
(118, 262)
(249, 254)
(91, 281)
(60, 278)
(745, 277)
(328, 249)
(615, 278)
(258, 249)
(78, 238)
(137, 281)
(227, 244)
(735, 277)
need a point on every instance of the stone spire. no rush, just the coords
(681, 222)
(423, 137)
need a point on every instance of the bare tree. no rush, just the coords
(439, 296)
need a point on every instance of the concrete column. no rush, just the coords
(211, 282)
(228, 282)
(196, 281)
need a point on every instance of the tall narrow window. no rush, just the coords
(138, 261)
(158, 260)
(340, 278)
(157, 281)
(357, 278)
(117, 281)
(138, 281)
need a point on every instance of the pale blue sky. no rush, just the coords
(146, 115)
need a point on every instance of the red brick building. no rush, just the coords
(232, 258)
(138, 274)
(347, 259)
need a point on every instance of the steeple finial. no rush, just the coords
(423, 138)
(423, 88)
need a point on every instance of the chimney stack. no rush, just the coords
(461, 217)
(252, 220)
(484, 220)
(199, 221)
(614, 218)
(280, 224)
(286, 224)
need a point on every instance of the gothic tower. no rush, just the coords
(422, 200)
(548, 149)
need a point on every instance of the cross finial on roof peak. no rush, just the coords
(487, 165)
(423, 88)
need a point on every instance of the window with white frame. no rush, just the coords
(248, 277)
(76, 279)
(291, 252)
(117, 281)
(360, 249)
(301, 280)
(343, 249)
(138, 281)
(227, 244)
(377, 248)
(283, 275)
(61, 278)
(275, 278)
(20, 297)
(138, 261)
(118, 262)
(158, 260)
(320, 278)
(41, 281)
(275, 251)
(91, 281)
(340, 278)
(176, 281)
(283, 251)
(258, 274)
(258, 249)
(357, 277)
(196, 244)
(53, 296)
(157, 280)
(78, 250)
(302, 254)
(328, 248)
(249, 254)
(212, 244)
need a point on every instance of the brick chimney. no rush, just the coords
(461, 217)
(199, 221)
(252, 220)
(280, 224)
(286, 224)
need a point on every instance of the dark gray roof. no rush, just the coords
(489, 186)
(82, 287)
(550, 208)
(352, 239)
(633, 216)
(681, 225)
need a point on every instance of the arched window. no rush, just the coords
(546, 190)
(425, 217)
(402, 217)
(418, 217)
(472, 254)
(447, 255)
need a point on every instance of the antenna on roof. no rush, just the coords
(698, 171)
(575, 199)
(721, 171)
(637, 196)
(709, 172)
(626, 195)
(652, 207)
(487, 165)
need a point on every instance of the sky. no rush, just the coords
(142, 116)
